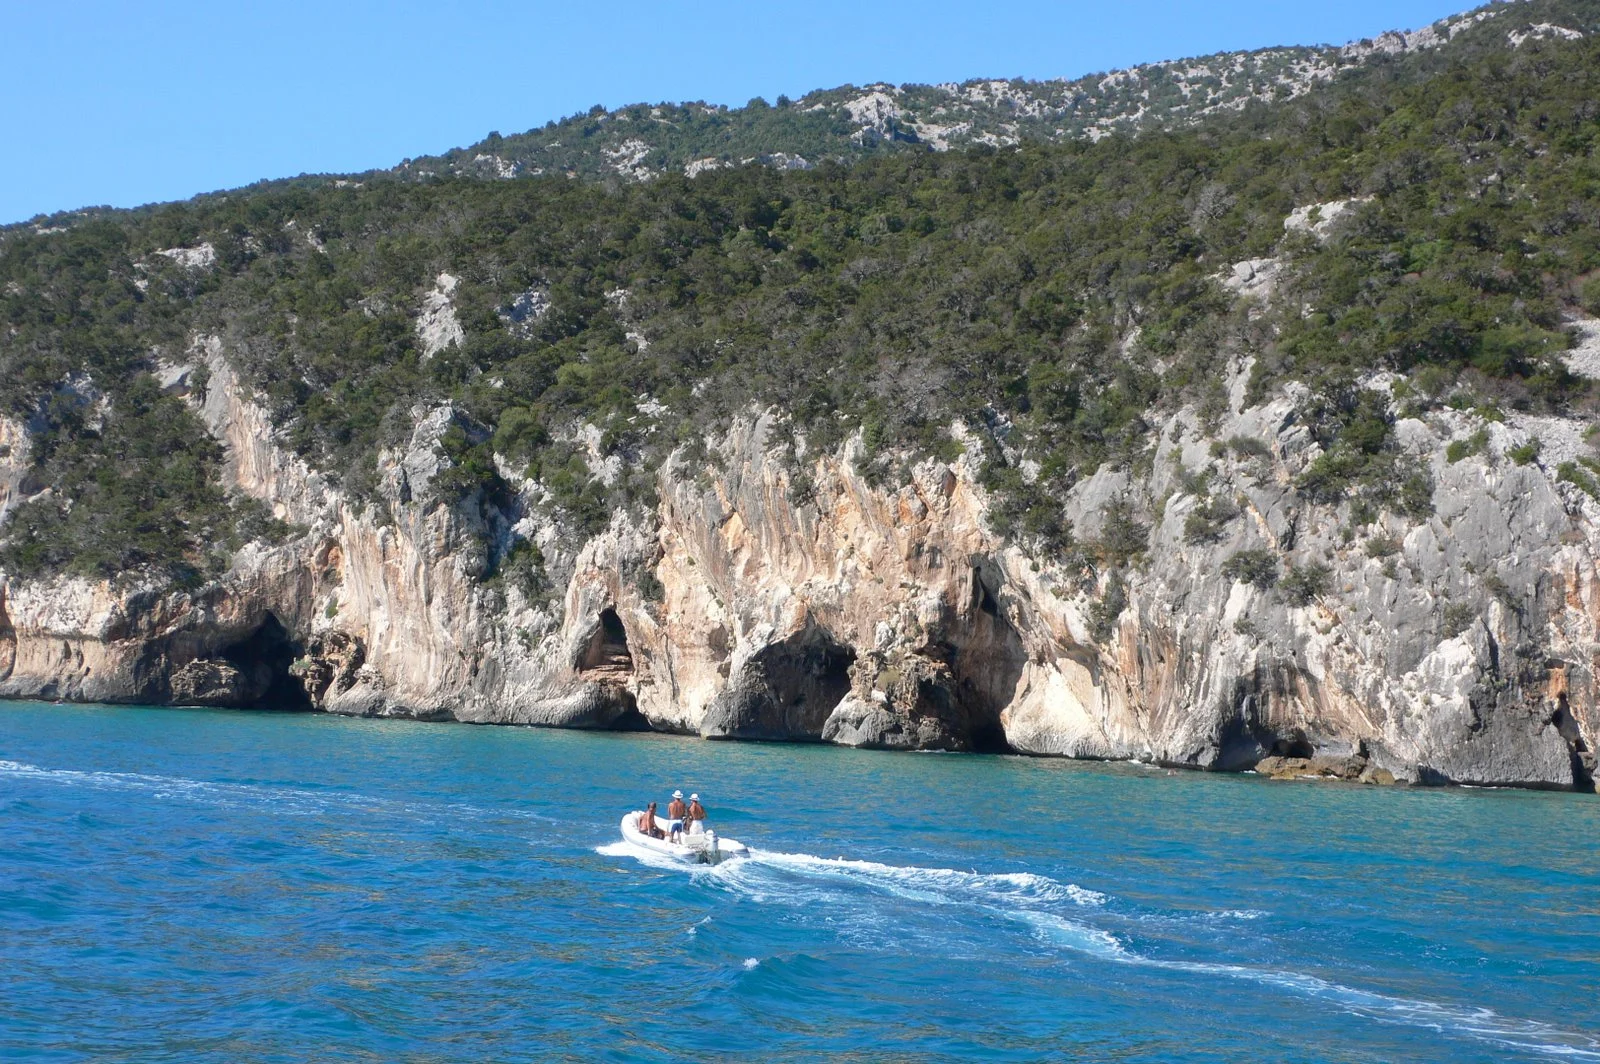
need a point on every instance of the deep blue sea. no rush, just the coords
(189, 885)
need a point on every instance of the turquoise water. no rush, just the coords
(182, 885)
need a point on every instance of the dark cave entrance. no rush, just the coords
(786, 690)
(988, 735)
(987, 665)
(806, 680)
(1249, 733)
(607, 662)
(264, 658)
(1294, 746)
(606, 652)
(1583, 758)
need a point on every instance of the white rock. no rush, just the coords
(696, 167)
(199, 257)
(1584, 359)
(437, 327)
(627, 159)
(1318, 219)
(1542, 31)
(1255, 277)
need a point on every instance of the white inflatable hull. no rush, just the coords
(706, 848)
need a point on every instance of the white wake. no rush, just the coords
(1041, 904)
(279, 799)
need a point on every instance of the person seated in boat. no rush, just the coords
(647, 823)
(675, 814)
(696, 815)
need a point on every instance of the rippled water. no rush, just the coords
(192, 885)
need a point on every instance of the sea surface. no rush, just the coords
(190, 885)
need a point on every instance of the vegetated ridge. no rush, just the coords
(644, 141)
(1249, 431)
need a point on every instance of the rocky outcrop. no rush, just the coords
(1350, 768)
(775, 593)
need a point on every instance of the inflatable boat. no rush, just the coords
(699, 846)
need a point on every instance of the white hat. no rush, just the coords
(694, 797)
(677, 794)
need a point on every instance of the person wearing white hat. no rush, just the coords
(697, 815)
(675, 814)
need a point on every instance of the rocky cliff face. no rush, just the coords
(776, 593)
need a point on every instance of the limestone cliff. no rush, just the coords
(777, 593)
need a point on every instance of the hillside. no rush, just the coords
(1210, 412)
(643, 141)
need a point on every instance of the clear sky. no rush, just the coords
(122, 103)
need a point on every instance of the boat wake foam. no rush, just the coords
(1060, 914)
(646, 856)
(288, 801)
(1480, 1023)
(939, 885)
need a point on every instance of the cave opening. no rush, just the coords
(983, 595)
(1293, 746)
(606, 652)
(986, 661)
(810, 678)
(263, 659)
(1583, 759)
(606, 663)
(988, 735)
(786, 690)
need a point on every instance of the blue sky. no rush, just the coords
(128, 103)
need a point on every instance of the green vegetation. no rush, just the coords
(1383, 547)
(1503, 593)
(601, 144)
(523, 568)
(1582, 473)
(1360, 460)
(1590, 297)
(1303, 583)
(1105, 610)
(1124, 538)
(1474, 444)
(1256, 567)
(888, 297)
(1524, 453)
(1209, 519)
(1456, 618)
(146, 470)
(1249, 447)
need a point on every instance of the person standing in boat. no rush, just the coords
(675, 815)
(696, 814)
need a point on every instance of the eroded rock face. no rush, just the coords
(214, 682)
(772, 596)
